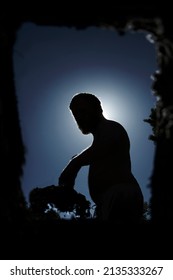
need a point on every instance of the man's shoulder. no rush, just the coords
(115, 125)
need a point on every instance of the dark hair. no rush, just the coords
(89, 98)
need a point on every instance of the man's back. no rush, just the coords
(111, 163)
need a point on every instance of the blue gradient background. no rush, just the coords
(51, 64)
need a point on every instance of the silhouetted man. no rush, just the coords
(112, 185)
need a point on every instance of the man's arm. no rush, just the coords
(107, 143)
(69, 173)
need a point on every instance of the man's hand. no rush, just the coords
(68, 175)
(67, 178)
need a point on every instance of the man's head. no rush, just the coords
(86, 109)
